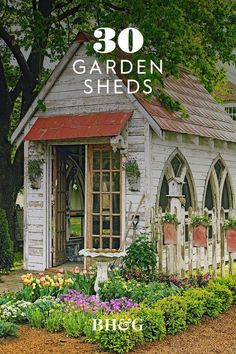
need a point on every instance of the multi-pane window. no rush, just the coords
(106, 198)
(231, 110)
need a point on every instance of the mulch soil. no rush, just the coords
(213, 336)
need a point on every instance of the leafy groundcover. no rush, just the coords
(127, 313)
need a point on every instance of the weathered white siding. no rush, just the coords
(35, 212)
(199, 156)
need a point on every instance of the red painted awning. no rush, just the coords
(102, 124)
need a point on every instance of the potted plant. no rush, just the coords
(200, 225)
(35, 172)
(230, 227)
(170, 223)
(133, 173)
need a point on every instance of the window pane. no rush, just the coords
(106, 203)
(106, 160)
(96, 160)
(96, 225)
(106, 182)
(116, 243)
(106, 225)
(115, 181)
(115, 160)
(209, 203)
(96, 242)
(187, 194)
(96, 182)
(176, 165)
(219, 169)
(225, 202)
(96, 203)
(106, 243)
(163, 202)
(116, 225)
(116, 203)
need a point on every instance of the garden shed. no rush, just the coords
(77, 192)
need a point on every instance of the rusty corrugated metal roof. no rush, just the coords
(102, 124)
(206, 117)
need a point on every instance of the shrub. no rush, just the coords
(223, 293)
(91, 335)
(54, 322)
(152, 321)
(150, 293)
(36, 317)
(114, 289)
(7, 329)
(195, 310)
(6, 244)
(212, 304)
(73, 323)
(141, 255)
(230, 282)
(138, 292)
(120, 341)
(174, 310)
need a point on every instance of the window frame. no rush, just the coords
(91, 193)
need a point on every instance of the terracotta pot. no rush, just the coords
(170, 234)
(200, 236)
(231, 240)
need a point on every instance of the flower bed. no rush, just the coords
(138, 311)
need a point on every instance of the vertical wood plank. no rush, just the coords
(206, 249)
(182, 250)
(160, 239)
(214, 239)
(190, 242)
(198, 251)
(230, 253)
(222, 242)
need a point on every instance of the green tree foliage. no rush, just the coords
(193, 33)
(6, 245)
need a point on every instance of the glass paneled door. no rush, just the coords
(104, 198)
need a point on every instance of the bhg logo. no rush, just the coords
(114, 325)
(130, 40)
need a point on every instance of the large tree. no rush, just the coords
(197, 34)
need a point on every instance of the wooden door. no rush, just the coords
(59, 208)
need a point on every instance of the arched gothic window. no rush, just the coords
(177, 166)
(218, 192)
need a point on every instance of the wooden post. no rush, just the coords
(222, 242)
(198, 252)
(160, 239)
(206, 265)
(182, 243)
(230, 253)
(214, 239)
(190, 242)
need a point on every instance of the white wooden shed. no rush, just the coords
(83, 198)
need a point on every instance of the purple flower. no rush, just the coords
(90, 303)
